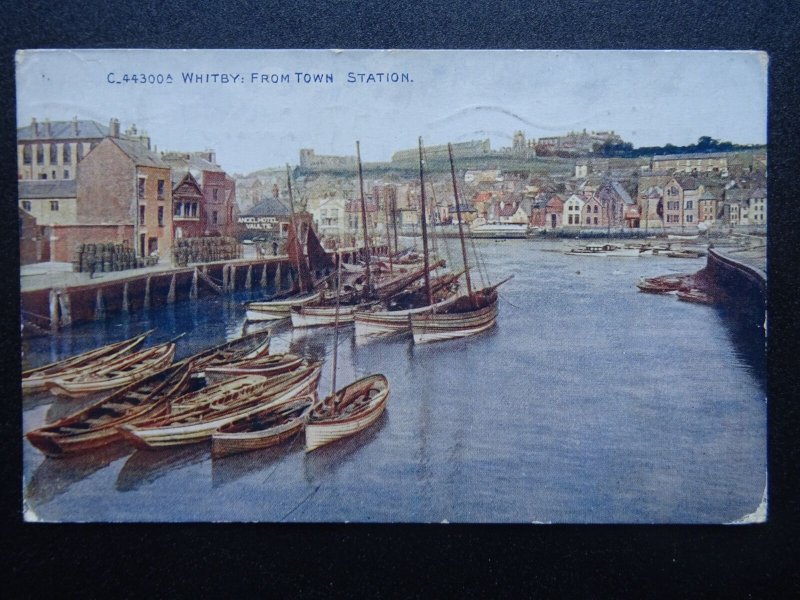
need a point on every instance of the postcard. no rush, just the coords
(393, 286)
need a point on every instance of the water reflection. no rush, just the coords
(227, 469)
(325, 461)
(146, 466)
(55, 476)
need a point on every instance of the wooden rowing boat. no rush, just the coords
(469, 315)
(36, 379)
(96, 425)
(113, 374)
(350, 410)
(262, 429)
(695, 295)
(195, 417)
(270, 310)
(268, 366)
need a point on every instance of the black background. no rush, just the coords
(249, 560)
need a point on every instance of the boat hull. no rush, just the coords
(319, 434)
(373, 324)
(273, 310)
(436, 327)
(177, 435)
(318, 316)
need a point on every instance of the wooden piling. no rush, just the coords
(125, 300)
(264, 276)
(99, 306)
(171, 293)
(193, 290)
(146, 302)
(248, 280)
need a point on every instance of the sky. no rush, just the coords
(266, 111)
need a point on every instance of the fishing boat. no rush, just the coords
(96, 425)
(605, 250)
(468, 315)
(305, 290)
(262, 429)
(500, 231)
(113, 374)
(195, 417)
(350, 410)
(685, 254)
(36, 379)
(664, 284)
(268, 366)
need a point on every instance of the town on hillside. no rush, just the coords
(85, 183)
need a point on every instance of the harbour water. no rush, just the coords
(589, 402)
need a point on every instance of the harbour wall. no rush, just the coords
(48, 309)
(743, 284)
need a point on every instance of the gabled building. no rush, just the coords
(269, 219)
(573, 208)
(187, 206)
(124, 194)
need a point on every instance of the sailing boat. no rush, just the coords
(350, 409)
(323, 310)
(304, 291)
(393, 316)
(468, 315)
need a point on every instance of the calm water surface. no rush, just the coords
(589, 402)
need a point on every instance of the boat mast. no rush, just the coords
(394, 220)
(363, 213)
(336, 322)
(388, 238)
(294, 226)
(424, 226)
(460, 226)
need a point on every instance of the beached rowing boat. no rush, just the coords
(262, 429)
(36, 379)
(113, 374)
(350, 410)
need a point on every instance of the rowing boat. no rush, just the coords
(195, 417)
(270, 310)
(262, 429)
(113, 374)
(696, 296)
(96, 425)
(350, 410)
(268, 366)
(36, 379)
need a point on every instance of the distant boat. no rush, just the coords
(36, 379)
(676, 236)
(685, 253)
(500, 230)
(607, 250)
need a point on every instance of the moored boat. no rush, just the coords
(268, 366)
(500, 231)
(350, 410)
(194, 418)
(695, 295)
(262, 429)
(36, 379)
(271, 310)
(113, 374)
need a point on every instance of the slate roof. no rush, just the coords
(63, 130)
(139, 153)
(269, 207)
(50, 188)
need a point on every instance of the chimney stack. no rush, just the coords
(75, 126)
(34, 127)
(47, 131)
(113, 128)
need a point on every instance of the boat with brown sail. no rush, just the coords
(468, 315)
(113, 374)
(96, 425)
(308, 256)
(36, 379)
(195, 417)
(262, 429)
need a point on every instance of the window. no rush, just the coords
(214, 216)
(53, 174)
(569, 219)
(66, 173)
(160, 189)
(141, 215)
(588, 220)
(67, 149)
(42, 175)
(595, 211)
(689, 218)
(214, 194)
(53, 154)
(688, 205)
(39, 154)
(595, 219)
(160, 216)
(176, 210)
(141, 188)
(80, 151)
(27, 154)
(194, 209)
(26, 205)
(53, 205)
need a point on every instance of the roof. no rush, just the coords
(759, 193)
(707, 195)
(139, 153)
(736, 195)
(188, 160)
(63, 130)
(49, 188)
(504, 209)
(692, 156)
(269, 207)
(355, 205)
(622, 192)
